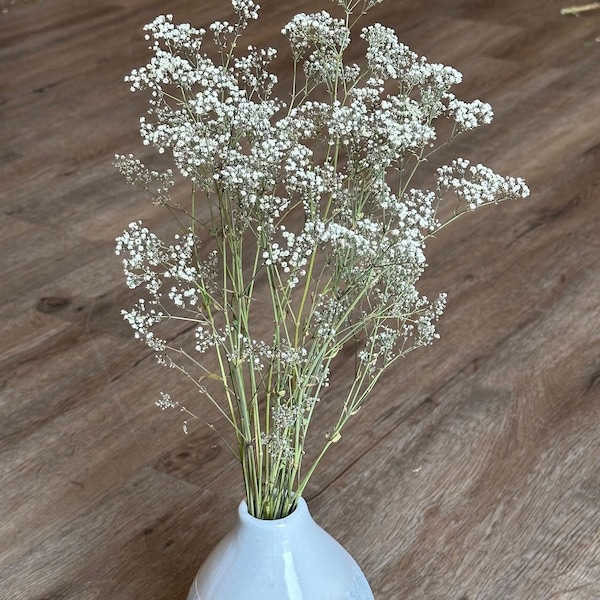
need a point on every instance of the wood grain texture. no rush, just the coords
(474, 472)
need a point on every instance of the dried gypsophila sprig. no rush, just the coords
(311, 200)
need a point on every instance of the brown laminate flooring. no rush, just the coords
(472, 474)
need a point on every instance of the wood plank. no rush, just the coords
(153, 553)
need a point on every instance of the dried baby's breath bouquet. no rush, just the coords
(302, 216)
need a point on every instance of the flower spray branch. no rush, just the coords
(316, 225)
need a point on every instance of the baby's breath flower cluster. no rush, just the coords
(309, 200)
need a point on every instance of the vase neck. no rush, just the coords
(300, 515)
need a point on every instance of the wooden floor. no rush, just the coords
(474, 473)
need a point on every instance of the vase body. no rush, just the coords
(283, 559)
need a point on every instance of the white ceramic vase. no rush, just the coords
(283, 559)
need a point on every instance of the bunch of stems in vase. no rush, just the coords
(302, 215)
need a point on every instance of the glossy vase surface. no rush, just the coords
(284, 559)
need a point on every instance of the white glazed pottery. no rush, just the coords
(283, 559)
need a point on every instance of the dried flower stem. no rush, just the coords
(576, 10)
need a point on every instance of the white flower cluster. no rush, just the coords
(158, 184)
(377, 131)
(177, 37)
(293, 257)
(319, 31)
(145, 252)
(246, 9)
(168, 66)
(165, 401)
(477, 185)
(285, 418)
(253, 73)
(469, 115)
(141, 318)
(224, 134)
(310, 201)
(389, 59)
(168, 273)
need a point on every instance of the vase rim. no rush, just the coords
(300, 510)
